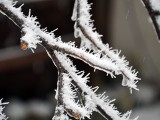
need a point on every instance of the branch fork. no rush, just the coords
(74, 97)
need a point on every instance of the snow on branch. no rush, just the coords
(103, 59)
(94, 102)
(2, 115)
(60, 114)
(71, 83)
(153, 8)
(84, 29)
(69, 96)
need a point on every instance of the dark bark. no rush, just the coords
(153, 14)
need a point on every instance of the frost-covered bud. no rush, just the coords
(29, 39)
(24, 45)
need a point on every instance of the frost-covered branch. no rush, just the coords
(63, 85)
(59, 111)
(33, 35)
(2, 115)
(99, 103)
(153, 8)
(84, 29)
(74, 97)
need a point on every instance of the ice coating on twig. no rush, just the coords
(102, 58)
(84, 29)
(98, 100)
(2, 115)
(155, 4)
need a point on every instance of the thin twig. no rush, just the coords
(19, 22)
(100, 46)
(153, 14)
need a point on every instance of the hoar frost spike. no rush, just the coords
(2, 115)
(74, 97)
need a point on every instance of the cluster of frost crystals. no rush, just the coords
(31, 33)
(155, 4)
(107, 59)
(30, 25)
(89, 104)
(30, 28)
(69, 97)
(59, 114)
(30, 38)
(92, 40)
(2, 115)
(10, 5)
(92, 99)
(84, 19)
(7, 2)
(102, 58)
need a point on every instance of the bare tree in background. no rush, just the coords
(74, 97)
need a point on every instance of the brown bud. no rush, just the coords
(73, 114)
(24, 45)
(76, 116)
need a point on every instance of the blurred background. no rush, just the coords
(28, 80)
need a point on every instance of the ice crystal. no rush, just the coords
(2, 115)
(92, 51)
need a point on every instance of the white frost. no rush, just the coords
(30, 38)
(60, 115)
(83, 18)
(2, 115)
(110, 62)
(102, 58)
(155, 4)
(100, 100)
(69, 98)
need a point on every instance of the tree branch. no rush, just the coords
(153, 13)
(60, 84)
(99, 103)
(33, 35)
(103, 58)
(84, 29)
(19, 22)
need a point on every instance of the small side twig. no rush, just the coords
(85, 30)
